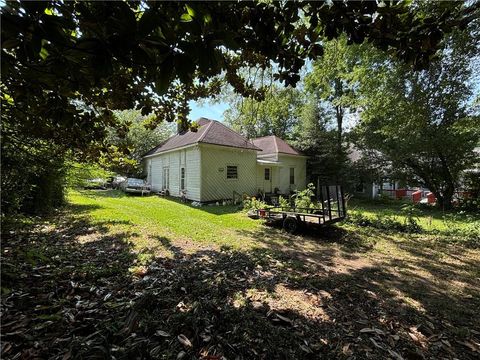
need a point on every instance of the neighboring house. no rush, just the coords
(216, 162)
(393, 188)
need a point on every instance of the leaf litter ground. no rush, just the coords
(73, 289)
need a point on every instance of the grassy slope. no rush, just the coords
(428, 218)
(159, 217)
(420, 291)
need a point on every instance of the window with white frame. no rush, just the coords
(182, 178)
(166, 178)
(232, 172)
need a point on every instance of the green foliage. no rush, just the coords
(389, 223)
(471, 184)
(411, 213)
(32, 176)
(330, 81)
(468, 234)
(471, 205)
(315, 136)
(283, 202)
(78, 174)
(66, 66)
(276, 114)
(303, 198)
(156, 57)
(126, 149)
(447, 227)
(254, 204)
(421, 123)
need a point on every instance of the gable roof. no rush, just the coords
(273, 144)
(208, 132)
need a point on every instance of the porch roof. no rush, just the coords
(269, 162)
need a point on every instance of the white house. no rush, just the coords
(215, 162)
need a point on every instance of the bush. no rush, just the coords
(254, 204)
(469, 233)
(79, 173)
(470, 205)
(32, 179)
(284, 203)
(472, 185)
(384, 199)
(411, 217)
(389, 223)
(303, 199)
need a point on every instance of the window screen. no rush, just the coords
(182, 178)
(292, 176)
(267, 174)
(232, 172)
(166, 178)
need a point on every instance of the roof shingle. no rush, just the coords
(209, 132)
(273, 144)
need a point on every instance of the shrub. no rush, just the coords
(32, 179)
(78, 174)
(283, 202)
(303, 198)
(389, 223)
(384, 198)
(470, 205)
(254, 204)
(411, 217)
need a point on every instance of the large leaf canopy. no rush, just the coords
(66, 65)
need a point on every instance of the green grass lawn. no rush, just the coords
(429, 218)
(152, 216)
(131, 276)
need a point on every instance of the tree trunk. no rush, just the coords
(444, 199)
(339, 118)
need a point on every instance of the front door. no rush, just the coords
(267, 179)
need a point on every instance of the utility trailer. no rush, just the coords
(331, 209)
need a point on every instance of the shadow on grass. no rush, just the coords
(394, 208)
(276, 238)
(109, 193)
(211, 208)
(78, 291)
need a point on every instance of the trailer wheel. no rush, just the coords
(291, 225)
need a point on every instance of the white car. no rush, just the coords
(135, 186)
(95, 184)
(116, 181)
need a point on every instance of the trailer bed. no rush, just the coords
(331, 209)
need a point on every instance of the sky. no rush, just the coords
(210, 111)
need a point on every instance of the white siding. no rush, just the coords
(192, 173)
(300, 166)
(281, 174)
(174, 160)
(206, 172)
(214, 161)
(156, 172)
(174, 168)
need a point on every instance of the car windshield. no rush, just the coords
(135, 182)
